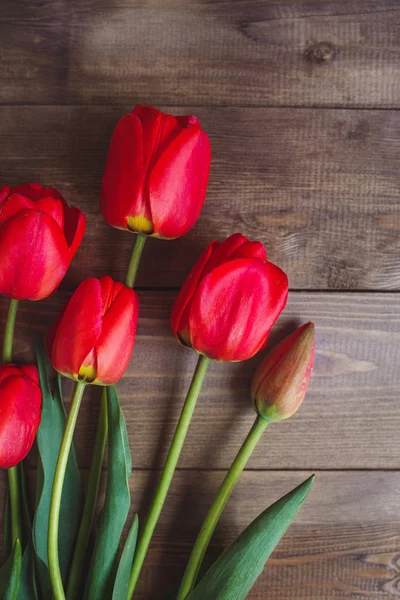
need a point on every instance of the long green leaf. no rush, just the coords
(49, 438)
(27, 590)
(125, 564)
(116, 505)
(10, 574)
(234, 573)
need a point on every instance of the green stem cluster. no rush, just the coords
(90, 502)
(94, 478)
(168, 471)
(52, 546)
(214, 514)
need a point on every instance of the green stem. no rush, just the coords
(90, 502)
(15, 503)
(135, 259)
(52, 542)
(9, 331)
(212, 518)
(168, 472)
(13, 473)
(25, 509)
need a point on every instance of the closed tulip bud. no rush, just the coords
(280, 382)
(156, 173)
(93, 338)
(39, 236)
(230, 300)
(20, 409)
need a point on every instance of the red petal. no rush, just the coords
(234, 308)
(12, 205)
(33, 256)
(109, 291)
(225, 251)
(8, 370)
(20, 408)
(188, 121)
(151, 121)
(33, 191)
(115, 344)
(74, 229)
(52, 207)
(122, 187)
(178, 183)
(79, 328)
(251, 250)
(31, 372)
(189, 287)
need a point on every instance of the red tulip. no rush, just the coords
(93, 337)
(230, 300)
(39, 236)
(20, 410)
(280, 382)
(156, 173)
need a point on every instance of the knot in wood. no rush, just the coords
(322, 52)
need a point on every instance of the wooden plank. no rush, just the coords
(344, 543)
(34, 52)
(350, 418)
(297, 53)
(257, 53)
(236, 53)
(319, 188)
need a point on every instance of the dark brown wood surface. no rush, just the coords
(320, 188)
(343, 544)
(231, 53)
(352, 400)
(301, 100)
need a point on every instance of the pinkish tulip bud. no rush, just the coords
(280, 382)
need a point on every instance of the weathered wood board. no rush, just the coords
(320, 188)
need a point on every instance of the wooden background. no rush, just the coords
(301, 100)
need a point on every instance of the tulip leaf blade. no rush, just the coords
(49, 438)
(234, 573)
(116, 505)
(10, 574)
(121, 584)
(27, 590)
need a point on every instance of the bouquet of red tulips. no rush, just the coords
(154, 185)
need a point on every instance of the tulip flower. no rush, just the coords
(20, 409)
(156, 173)
(93, 338)
(39, 236)
(230, 300)
(278, 389)
(91, 342)
(224, 311)
(280, 382)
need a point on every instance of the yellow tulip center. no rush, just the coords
(87, 373)
(140, 224)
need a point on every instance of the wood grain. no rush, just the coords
(344, 543)
(230, 53)
(300, 99)
(33, 51)
(235, 53)
(350, 418)
(319, 188)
